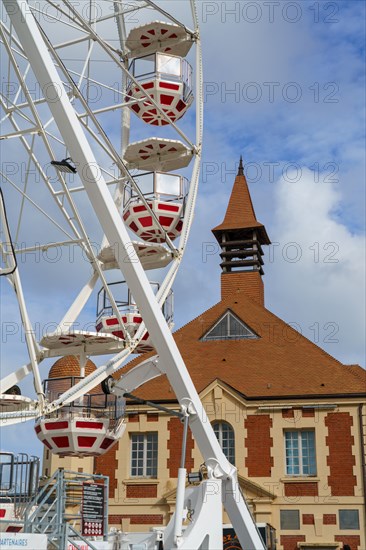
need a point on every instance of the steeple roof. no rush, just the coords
(240, 214)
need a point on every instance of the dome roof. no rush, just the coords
(70, 366)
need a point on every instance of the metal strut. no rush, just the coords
(116, 232)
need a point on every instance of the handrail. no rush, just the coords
(79, 535)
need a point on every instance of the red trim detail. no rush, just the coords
(13, 529)
(180, 106)
(37, 429)
(119, 334)
(166, 99)
(2, 512)
(106, 443)
(56, 425)
(86, 441)
(147, 86)
(90, 425)
(134, 227)
(137, 320)
(169, 86)
(111, 322)
(141, 208)
(45, 442)
(61, 441)
(151, 32)
(136, 108)
(168, 207)
(146, 221)
(166, 220)
(179, 226)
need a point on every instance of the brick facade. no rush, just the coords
(353, 541)
(340, 459)
(308, 489)
(141, 491)
(329, 519)
(308, 519)
(249, 282)
(137, 519)
(259, 444)
(107, 465)
(174, 445)
(289, 542)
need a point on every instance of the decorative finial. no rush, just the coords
(241, 167)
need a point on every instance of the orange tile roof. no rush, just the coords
(280, 364)
(69, 365)
(240, 211)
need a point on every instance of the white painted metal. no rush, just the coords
(38, 53)
(204, 504)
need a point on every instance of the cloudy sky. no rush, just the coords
(284, 87)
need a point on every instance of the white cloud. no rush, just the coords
(316, 272)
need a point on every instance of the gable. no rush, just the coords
(229, 327)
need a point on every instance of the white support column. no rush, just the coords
(116, 233)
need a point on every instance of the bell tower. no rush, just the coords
(241, 237)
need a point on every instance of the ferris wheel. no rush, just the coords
(129, 72)
(102, 120)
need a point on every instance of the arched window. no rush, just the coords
(226, 436)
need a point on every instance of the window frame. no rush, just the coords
(145, 456)
(301, 464)
(220, 424)
(226, 317)
(297, 511)
(341, 522)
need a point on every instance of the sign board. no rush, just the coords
(92, 510)
(17, 541)
(230, 540)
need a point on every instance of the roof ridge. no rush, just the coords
(357, 372)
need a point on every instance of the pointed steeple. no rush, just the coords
(241, 167)
(240, 212)
(240, 236)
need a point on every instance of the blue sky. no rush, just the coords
(284, 87)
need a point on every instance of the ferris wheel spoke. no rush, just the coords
(76, 80)
(25, 196)
(24, 191)
(169, 16)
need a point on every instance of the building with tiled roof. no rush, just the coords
(289, 416)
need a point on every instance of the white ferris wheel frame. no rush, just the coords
(169, 359)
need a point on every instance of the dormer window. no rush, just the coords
(229, 327)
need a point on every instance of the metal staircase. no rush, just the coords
(57, 509)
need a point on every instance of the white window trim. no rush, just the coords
(220, 423)
(300, 474)
(144, 457)
(206, 338)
